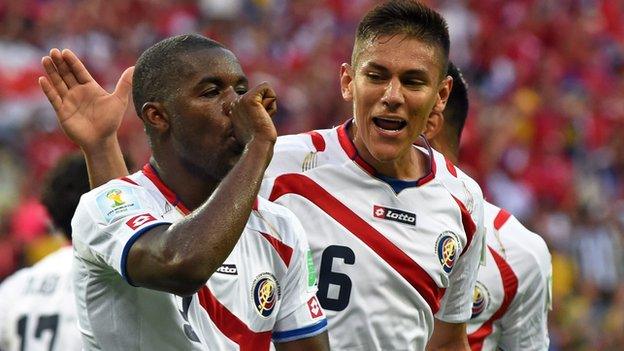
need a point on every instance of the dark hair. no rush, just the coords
(62, 188)
(160, 65)
(456, 110)
(411, 18)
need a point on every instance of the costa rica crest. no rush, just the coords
(265, 293)
(480, 299)
(447, 249)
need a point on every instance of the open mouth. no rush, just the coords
(390, 124)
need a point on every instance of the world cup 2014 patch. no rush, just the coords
(116, 202)
(447, 249)
(265, 293)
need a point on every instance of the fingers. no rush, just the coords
(124, 85)
(51, 93)
(53, 76)
(76, 67)
(63, 68)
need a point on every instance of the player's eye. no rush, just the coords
(212, 92)
(241, 90)
(374, 77)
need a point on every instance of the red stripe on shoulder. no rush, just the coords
(317, 140)
(501, 218)
(469, 225)
(126, 179)
(510, 288)
(254, 207)
(451, 168)
(284, 251)
(231, 326)
(414, 274)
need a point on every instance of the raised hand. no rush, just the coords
(88, 114)
(251, 115)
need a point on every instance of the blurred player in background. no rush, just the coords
(512, 295)
(37, 308)
(366, 194)
(189, 223)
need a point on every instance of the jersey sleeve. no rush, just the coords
(524, 326)
(456, 305)
(108, 221)
(300, 315)
(289, 155)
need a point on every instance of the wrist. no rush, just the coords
(260, 148)
(103, 146)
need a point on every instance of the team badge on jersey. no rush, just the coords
(116, 202)
(480, 299)
(265, 292)
(447, 249)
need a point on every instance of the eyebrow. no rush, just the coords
(415, 71)
(219, 82)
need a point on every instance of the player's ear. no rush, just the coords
(155, 116)
(346, 81)
(434, 125)
(444, 91)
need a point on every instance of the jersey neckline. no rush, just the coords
(396, 184)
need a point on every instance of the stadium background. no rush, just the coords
(544, 137)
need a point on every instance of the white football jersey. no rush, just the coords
(37, 309)
(264, 290)
(512, 296)
(391, 254)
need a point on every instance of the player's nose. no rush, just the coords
(393, 95)
(229, 96)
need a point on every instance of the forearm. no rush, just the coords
(104, 162)
(448, 336)
(184, 256)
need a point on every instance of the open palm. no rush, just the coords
(87, 113)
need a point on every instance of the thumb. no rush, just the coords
(124, 85)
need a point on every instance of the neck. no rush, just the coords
(411, 165)
(449, 147)
(191, 188)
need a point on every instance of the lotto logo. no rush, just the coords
(392, 214)
(137, 221)
(314, 307)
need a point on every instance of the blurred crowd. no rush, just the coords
(545, 136)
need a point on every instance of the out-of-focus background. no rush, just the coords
(545, 136)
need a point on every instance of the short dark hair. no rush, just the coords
(408, 17)
(62, 188)
(456, 110)
(160, 65)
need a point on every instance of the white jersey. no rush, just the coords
(264, 290)
(37, 309)
(392, 255)
(512, 295)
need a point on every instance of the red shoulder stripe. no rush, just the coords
(126, 179)
(501, 218)
(317, 140)
(451, 168)
(469, 225)
(284, 251)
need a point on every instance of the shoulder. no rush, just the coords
(14, 283)
(280, 221)
(526, 250)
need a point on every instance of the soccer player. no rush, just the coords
(397, 248)
(189, 224)
(512, 295)
(37, 309)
